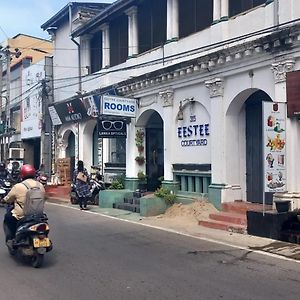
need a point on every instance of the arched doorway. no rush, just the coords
(154, 151)
(70, 151)
(254, 148)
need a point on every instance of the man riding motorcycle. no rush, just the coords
(17, 197)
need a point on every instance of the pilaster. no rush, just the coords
(167, 99)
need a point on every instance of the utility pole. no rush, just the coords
(7, 53)
(7, 117)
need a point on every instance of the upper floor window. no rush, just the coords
(152, 24)
(236, 7)
(118, 36)
(96, 52)
(194, 15)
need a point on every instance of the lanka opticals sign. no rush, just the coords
(193, 135)
(118, 106)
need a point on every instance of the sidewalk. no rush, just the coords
(189, 226)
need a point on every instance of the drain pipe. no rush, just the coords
(78, 47)
(79, 70)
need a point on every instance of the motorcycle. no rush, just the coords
(95, 187)
(31, 239)
(6, 186)
(43, 179)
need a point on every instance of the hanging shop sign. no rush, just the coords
(112, 129)
(74, 110)
(293, 94)
(193, 135)
(118, 106)
(274, 139)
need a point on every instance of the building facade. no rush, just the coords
(205, 79)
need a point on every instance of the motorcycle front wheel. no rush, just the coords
(37, 260)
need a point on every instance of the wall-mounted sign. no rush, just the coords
(74, 110)
(31, 105)
(293, 94)
(274, 146)
(112, 129)
(193, 135)
(118, 106)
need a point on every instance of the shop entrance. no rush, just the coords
(254, 148)
(70, 152)
(154, 151)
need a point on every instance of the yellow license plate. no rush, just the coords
(37, 243)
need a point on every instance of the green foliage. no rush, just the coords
(141, 176)
(166, 194)
(139, 138)
(118, 183)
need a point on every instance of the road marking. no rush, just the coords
(183, 234)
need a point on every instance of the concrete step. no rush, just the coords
(223, 226)
(242, 207)
(234, 218)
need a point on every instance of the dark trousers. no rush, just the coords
(82, 201)
(11, 223)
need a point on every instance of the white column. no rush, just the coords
(217, 10)
(133, 42)
(279, 70)
(217, 134)
(169, 19)
(85, 54)
(175, 18)
(135, 35)
(167, 98)
(105, 46)
(292, 132)
(224, 9)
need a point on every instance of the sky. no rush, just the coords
(27, 16)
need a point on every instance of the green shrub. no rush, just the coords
(166, 194)
(118, 183)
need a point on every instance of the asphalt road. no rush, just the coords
(95, 257)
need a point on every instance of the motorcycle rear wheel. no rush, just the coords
(73, 200)
(37, 260)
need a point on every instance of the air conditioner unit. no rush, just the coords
(16, 153)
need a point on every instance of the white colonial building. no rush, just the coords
(209, 82)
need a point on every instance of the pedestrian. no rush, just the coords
(81, 179)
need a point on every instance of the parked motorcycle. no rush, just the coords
(5, 185)
(31, 240)
(96, 186)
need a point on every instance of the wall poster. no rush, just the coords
(274, 144)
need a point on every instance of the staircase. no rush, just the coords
(233, 216)
(131, 203)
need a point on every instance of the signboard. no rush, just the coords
(31, 107)
(118, 106)
(74, 110)
(112, 129)
(193, 134)
(274, 139)
(293, 94)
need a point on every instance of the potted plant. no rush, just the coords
(140, 159)
(139, 142)
(141, 176)
(142, 185)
